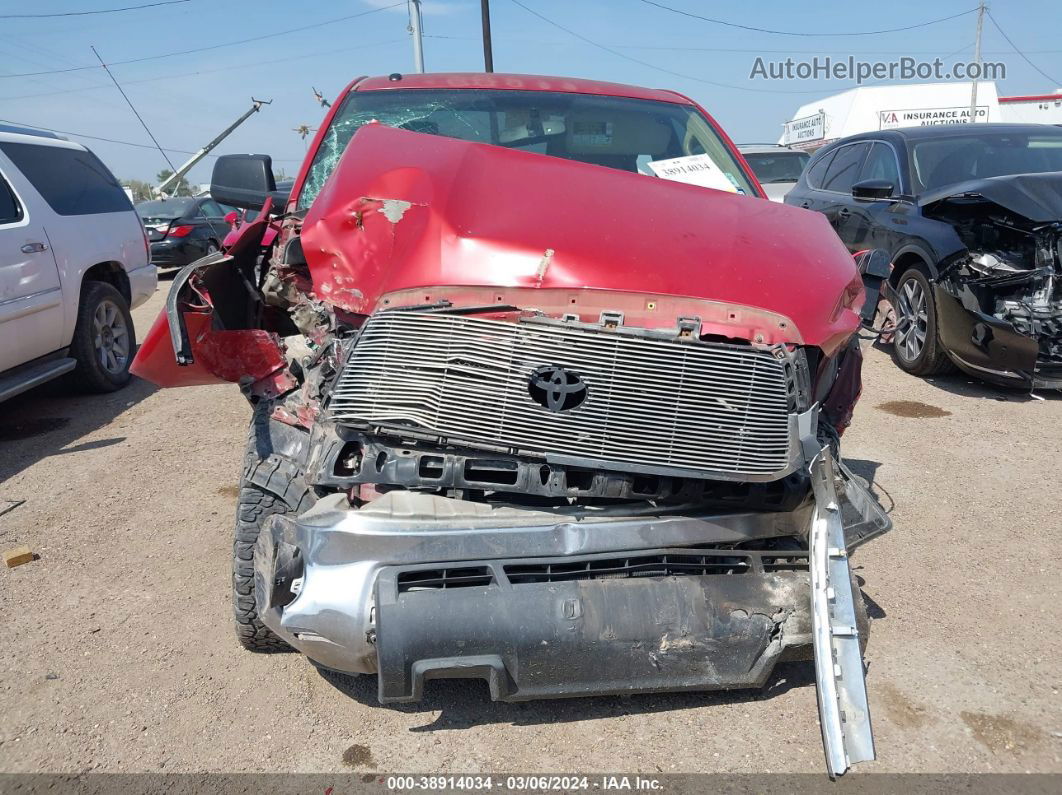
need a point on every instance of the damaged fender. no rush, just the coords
(209, 331)
(998, 293)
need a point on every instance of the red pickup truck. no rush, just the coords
(545, 392)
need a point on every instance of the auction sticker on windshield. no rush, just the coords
(693, 170)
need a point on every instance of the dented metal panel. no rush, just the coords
(474, 214)
(531, 636)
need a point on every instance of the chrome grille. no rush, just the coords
(658, 404)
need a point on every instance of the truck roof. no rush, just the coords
(515, 82)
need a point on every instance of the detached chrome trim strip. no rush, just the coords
(844, 713)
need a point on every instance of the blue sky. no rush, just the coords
(187, 99)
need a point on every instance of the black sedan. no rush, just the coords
(971, 218)
(181, 230)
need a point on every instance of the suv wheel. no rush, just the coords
(104, 339)
(915, 343)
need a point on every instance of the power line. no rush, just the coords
(228, 68)
(619, 54)
(672, 47)
(123, 143)
(136, 113)
(1023, 55)
(87, 13)
(796, 33)
(27, 56)
(640, 62)
(212, 46)
(93, 137)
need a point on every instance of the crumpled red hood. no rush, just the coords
(406, 210)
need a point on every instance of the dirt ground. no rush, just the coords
(118, 653)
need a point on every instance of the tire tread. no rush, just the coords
(269, 486)
(88, 374)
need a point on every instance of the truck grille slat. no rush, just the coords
(720, 409)
(718, 398)
(632, 365)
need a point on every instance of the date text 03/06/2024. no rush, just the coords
(517, 783)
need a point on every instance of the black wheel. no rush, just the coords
(212, 247)
(915, 343)
(104, 339)
(272, 483)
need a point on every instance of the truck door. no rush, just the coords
(31, 298)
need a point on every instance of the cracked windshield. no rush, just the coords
(655, 138)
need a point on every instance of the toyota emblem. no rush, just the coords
(557, 389)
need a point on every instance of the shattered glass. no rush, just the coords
(616, 132)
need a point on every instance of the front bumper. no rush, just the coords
(415, 586)
(992, 349)
(539, 630)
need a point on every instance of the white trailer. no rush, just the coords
(870, 108)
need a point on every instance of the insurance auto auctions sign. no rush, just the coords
(926, 117)
(809, 128)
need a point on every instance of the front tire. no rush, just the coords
(273, 484)
(916, 346)
(104, 338)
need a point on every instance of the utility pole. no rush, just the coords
(488, 53)
(418, 39)
(175, 177)
(977, 60)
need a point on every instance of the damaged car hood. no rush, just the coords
(405, 210)
(1037, 197)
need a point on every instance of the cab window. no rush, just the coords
(211, 209)
(72, 181)
(615, 132)
(10, 209)
(817, 169)
(881, 164)
(844, 168)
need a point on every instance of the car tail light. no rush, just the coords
(180, 231)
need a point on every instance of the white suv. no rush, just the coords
(73, 262)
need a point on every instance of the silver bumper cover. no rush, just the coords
(471, 610)
(343, 552)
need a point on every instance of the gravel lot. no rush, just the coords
(118, 651)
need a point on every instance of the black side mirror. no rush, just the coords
(243, 180)
(871, 189)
